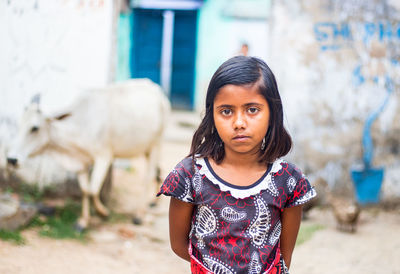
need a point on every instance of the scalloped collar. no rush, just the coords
(241, 192)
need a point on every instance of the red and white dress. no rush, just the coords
(236, 229)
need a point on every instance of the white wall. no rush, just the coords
(52, 47)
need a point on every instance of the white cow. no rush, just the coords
(122, 120)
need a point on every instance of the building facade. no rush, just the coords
(336, 63)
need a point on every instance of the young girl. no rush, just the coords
(236, 206)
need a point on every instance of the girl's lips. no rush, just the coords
(241, 138)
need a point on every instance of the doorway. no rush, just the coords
(165, 56)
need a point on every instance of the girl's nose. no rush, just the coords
(239, 121)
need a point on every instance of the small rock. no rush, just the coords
(46, 210)
(137, 220)
(126, 232)
(8, 206)
(14, 214)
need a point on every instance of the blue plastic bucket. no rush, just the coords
(367, 185)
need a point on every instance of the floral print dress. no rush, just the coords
(236, 229)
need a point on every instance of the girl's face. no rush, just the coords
(241, 117)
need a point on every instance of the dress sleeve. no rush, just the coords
(300, 189)
(178, 184)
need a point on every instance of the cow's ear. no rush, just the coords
(62, 116)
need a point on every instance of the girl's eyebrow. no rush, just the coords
(252, 104)
(224, 106)
(245, 105)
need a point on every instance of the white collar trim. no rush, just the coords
(265, 184)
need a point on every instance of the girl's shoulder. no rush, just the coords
(290, 170)
(294, 184)
(288, 175)
(178, 183)
(186, 167)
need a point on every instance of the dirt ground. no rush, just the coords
(128, 248)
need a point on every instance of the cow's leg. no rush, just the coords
(147, 185)
(83, 179)
(99, 173)
(152, 178)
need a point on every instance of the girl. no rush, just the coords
(236, 206)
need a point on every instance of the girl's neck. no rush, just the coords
(244, 161)
(240, 170)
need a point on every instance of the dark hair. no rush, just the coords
(243, 71)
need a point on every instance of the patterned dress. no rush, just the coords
(236, 229)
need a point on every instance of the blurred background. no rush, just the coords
(337, 64)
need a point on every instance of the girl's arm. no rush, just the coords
(180, 217)
(291, 218)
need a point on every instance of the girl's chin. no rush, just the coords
(243, 149)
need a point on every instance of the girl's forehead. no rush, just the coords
(242, 93)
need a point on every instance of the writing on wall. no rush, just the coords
(334, 36)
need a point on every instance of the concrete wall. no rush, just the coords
(52, 47)
(333, 60)
(124, 46)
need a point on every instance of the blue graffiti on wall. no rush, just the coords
(334, 36)
(359, 78)
(331, 35)
(367, 139)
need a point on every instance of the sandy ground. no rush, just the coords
(127, 248)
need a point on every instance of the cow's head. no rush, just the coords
(33, 135)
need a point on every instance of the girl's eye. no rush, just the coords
(226, 112)
(252, 110)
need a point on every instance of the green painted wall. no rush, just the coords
(124, 45)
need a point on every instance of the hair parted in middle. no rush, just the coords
(243, 71)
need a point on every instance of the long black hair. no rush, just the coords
(243, 71)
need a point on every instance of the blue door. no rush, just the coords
(183, 59)
(146, 52)
(146, 44)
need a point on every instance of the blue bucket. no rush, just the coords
(367, 184)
